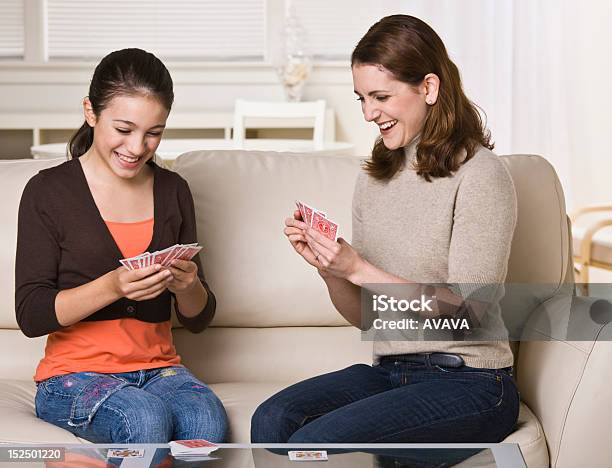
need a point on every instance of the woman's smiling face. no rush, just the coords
(399, 109)
(127, 132)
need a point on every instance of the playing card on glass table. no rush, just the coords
(163, 257)
(191, 448)
(307, 455)
(125, 453)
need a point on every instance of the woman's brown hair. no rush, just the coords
(409, 49)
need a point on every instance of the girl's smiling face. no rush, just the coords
(127, 132)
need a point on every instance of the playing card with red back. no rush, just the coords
(195, 443)
(162, 256)
(189, 449)
(188, 252)
(133, 263)
(300, 207)
(308, 212)
(325, 226)
(176, 249)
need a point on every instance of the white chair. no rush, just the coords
(279, 110)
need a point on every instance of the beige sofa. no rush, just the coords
(276, 325)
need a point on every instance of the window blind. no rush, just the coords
(171, 29)
(11, 29)
(333, 28)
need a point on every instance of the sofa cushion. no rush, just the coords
(15, 175)
(530, 437)
(291, 354)
(20, 354)
(241, 200)
(240, 400)
(19, 423)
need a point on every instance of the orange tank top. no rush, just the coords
(112, 346)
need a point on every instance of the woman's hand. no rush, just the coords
(184, 276)
(338, 259)
(141, 284)
(295, 230)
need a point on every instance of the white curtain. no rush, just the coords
(561, 92)
(540, 104)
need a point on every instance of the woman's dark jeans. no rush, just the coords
(395, 401)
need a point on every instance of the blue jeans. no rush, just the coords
(393, 402)
(147, 406)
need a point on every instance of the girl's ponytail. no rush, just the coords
(81, 141)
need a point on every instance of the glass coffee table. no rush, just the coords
(272, 456)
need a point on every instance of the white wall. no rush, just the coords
(199, 88)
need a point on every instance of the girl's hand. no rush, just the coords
(295, 230)
(184, 276)
(338, 259)
(139, 285)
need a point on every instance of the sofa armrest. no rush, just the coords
(564, 376)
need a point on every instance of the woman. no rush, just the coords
(110, 373)
(433, 205)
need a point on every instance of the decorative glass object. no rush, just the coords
(296, 66)
(293, 74)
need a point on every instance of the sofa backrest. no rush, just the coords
(241, 200)
(540, 247)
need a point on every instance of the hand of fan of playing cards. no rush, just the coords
(319, 243)
(318, 220)
(162, 257)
